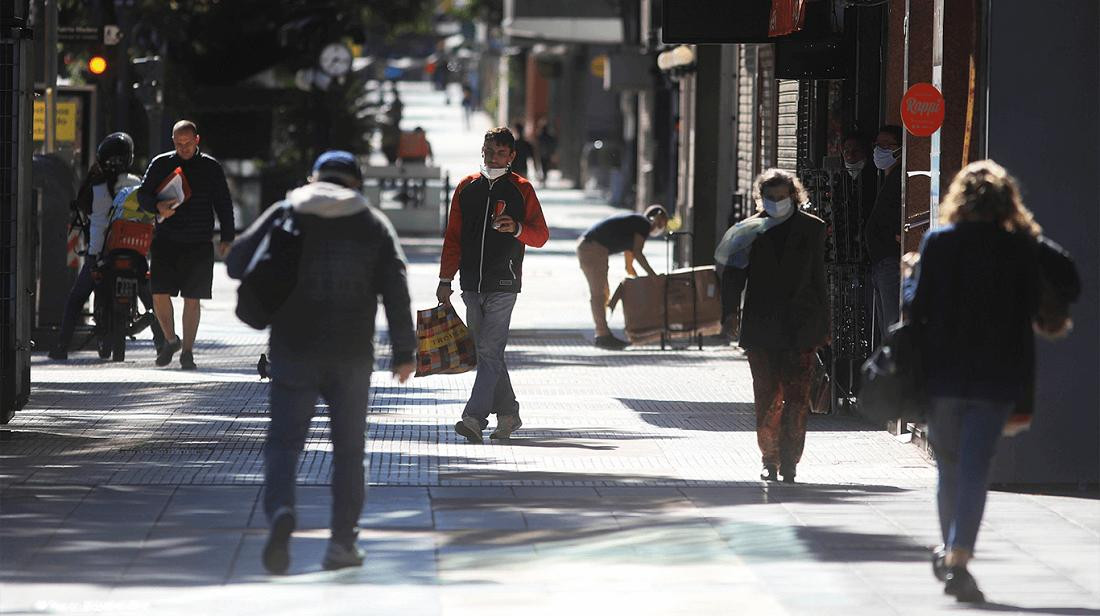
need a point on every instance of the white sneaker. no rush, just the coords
(506, 425)
(340, 556)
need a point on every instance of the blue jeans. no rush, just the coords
(964, 434)
(78, 295)
(886, 278)
(489, 315)
(296, 384)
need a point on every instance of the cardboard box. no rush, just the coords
(643, 302)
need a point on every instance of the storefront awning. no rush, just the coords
(568, 21)
(749, 21)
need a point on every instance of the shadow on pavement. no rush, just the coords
(1056, 611)
(727, 417)
(192, 535)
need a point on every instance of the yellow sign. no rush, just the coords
(597, 66)
(65, 124)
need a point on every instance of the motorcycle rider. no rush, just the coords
(109, 174)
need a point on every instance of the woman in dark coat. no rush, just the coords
(975, 294)
(778, 257)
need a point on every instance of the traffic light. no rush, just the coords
(150, 88)
(97, 64)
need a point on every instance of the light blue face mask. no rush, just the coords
(884, 159)
(778, 209)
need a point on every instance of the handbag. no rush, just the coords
(272, 272)
(894, 385)
(444, 343)
(821, 387)
(1059, 286)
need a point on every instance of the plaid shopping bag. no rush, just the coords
(444, 344)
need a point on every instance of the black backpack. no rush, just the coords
(272, 272)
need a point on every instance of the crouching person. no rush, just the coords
(322, 345)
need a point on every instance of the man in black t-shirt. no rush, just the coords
(625, 233)
(182, 254)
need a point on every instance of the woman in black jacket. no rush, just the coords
(975, 293)
(779, 255)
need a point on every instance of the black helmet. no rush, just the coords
(115, 153)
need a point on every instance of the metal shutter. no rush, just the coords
(787, 125)
(766, 102)
(746, 119)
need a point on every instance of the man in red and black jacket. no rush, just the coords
(494, 216)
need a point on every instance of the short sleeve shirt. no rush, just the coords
(617, 232)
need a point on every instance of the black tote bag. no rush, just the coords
(894, 384)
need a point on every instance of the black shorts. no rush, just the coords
(185, 269)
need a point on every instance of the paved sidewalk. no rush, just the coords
(128, 489)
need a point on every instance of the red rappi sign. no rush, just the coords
(922, 109)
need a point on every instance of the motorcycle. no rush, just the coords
(119, 277)
(122, 277)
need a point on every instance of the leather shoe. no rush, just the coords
(276, 556)
(164, 356)
(768, 473)
(610, 343)
(961, 585)
(788, 473)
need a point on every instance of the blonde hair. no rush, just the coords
(778, 177)
(983, 191)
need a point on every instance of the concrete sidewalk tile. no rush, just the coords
(397, 517)
(396, 493)
(565, 519)
(462, 519)
(556, 493)
(485, 493)
(306, 551)
(184, 559)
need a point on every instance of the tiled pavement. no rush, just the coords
(631, 489)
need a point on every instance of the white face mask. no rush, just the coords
(855, 168)
(778, 209)
(884, 159)
(493, 172)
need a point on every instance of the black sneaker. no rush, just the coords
(187, 360)
(276, 555)
(164, 356)
(58, 354)
(961, 585)
(768, 473)
(611, 343)
(788, 473)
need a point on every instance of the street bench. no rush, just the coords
(413, 197)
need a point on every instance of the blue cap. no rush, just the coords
(339, 165)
